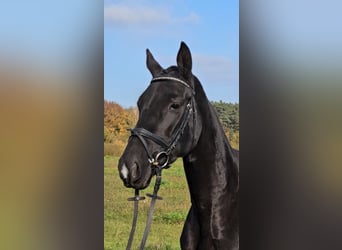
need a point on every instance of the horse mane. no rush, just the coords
(207, 109)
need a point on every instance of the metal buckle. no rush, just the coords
(159, 156)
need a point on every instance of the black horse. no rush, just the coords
(177, 120)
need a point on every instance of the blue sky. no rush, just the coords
(210, 30)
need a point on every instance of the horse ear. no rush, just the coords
(184, 61)
(152, 65)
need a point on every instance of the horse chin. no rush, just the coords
(142, 184)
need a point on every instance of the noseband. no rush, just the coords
(160, 161)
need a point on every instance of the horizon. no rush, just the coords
(135, 106)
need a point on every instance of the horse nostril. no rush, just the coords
(135, 172)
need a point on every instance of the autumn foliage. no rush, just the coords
(116, 122)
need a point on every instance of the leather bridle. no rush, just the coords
(161, 159)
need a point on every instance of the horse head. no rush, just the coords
(168, 126)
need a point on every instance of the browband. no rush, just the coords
(161, 78)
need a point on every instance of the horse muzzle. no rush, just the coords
(134, 175)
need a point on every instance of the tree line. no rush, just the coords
(229, 117)
(117, 119)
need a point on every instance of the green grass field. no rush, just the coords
(169, 215)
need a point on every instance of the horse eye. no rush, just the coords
(174, 106)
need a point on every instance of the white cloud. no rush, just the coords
(120, 14)
(215, 69)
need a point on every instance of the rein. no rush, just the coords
(159, 162)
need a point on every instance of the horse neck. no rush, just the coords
(212, 156)
(211, 125)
